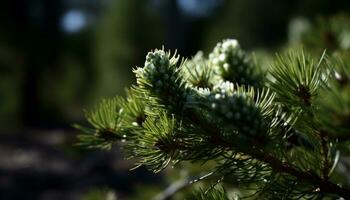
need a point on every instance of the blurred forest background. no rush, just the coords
(61, 56)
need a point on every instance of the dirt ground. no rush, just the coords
(45, 165)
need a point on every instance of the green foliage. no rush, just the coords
(158, 144)
(106, 120)
(268, 139)
(335, 101)
(212, 194)
(296, 77)
(332, 33)
(199, 72)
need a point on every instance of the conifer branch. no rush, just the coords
(321, 185)
(276, 138)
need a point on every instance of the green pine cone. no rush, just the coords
(233, 64)
(161, 78)
(237, 111)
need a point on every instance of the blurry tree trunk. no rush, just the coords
(35, 32)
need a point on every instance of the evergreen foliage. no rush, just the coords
(213, 193)
(271, 135)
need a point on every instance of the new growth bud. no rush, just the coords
(161, 78)
(236, 110)
(233, 64)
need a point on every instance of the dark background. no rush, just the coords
(61, 56)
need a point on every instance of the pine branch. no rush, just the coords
(207, 110)
(322, 185)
